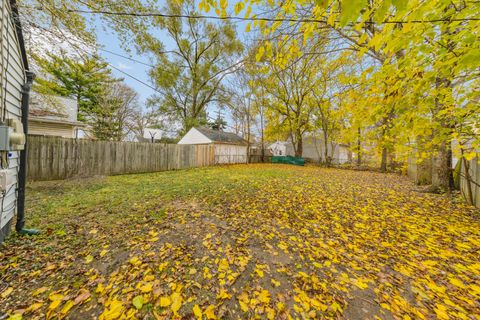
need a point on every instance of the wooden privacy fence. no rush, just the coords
(421, 173)
(54, 158)
(473, 185)
(255, 155)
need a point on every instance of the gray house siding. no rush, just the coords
(13, 77)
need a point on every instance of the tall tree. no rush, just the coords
(189, 77)
(83, 78)
(115, 118)
(326, 97)
(57, 21)
(290, 84)
(243, 99)
(218, 124)
(425, 52)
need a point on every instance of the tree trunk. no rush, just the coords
(248, 137)
(299, 148)
(262, 136)
(441, 171)
(325, 141)
(359, 147)
(383, 164)
(442, 175)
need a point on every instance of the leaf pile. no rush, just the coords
(256, 241)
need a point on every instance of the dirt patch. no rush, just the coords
(244, 242)
(362, 304)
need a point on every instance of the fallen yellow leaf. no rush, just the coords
(147, 287)
(68, 305)
(7, 292)
(197, 312)
(210, 313)
(39, 291)
(264, 296)
(164, 302)
(114, 311)
(177, 300)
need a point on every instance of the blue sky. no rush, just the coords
(110, 42)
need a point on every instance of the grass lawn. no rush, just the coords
(257, 241)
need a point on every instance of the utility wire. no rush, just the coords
(140, 81)
(155, 89)
(128, 58)
(100, 48)
(138, 61)
(134, 78)
(266, 19)
(135, 60)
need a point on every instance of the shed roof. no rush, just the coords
(221, 136)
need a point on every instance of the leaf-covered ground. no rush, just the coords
(256, 241)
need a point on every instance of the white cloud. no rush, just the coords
(123, 66)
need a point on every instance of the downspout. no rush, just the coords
(22, 173)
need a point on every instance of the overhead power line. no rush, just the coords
(135, 60)
(128, 58)
(134, 78)
(155, 89)
(266, 19)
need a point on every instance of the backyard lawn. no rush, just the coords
(243, 241)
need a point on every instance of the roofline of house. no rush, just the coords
(226, 142)
(39, 119)
(216, 142)
(244, 143)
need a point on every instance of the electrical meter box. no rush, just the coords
(12, 136)
(5, 132)
(17, 136)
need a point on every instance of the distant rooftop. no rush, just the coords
(46, 113)
(221, 136)
(53, 107)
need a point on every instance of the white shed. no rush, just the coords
(15, 83)
(278, 148)
(229, 148)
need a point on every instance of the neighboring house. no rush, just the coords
(229, 148)
(53, 116)
(278, 148)
(314, 150)
(15, 83)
